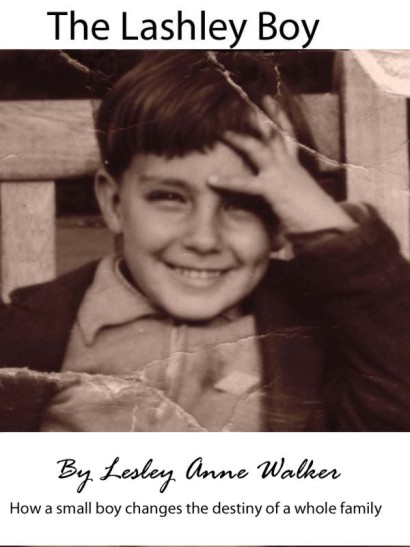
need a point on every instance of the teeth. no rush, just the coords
(198, 274)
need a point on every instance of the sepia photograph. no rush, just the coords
(204, 241)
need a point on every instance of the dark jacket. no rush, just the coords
(333, 326)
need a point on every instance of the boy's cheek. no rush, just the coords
(255, 245)
(145, 231)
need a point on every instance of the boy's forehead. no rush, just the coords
(194, 166)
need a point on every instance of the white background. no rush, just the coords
(349, 24)
(373, 467)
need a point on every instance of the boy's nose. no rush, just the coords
(203, 234)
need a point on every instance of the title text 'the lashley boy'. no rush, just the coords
(201, 27)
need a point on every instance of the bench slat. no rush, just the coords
(46, 140)
(27, 234)
(376, 143)
(49, 140)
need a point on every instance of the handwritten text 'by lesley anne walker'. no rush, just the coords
(278, 469)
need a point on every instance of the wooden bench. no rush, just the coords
(42, 141)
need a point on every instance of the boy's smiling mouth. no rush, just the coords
(198, 276)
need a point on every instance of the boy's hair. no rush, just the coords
(172, 103)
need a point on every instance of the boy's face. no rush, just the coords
(192, 251)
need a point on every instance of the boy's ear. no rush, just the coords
(278, 241)
(108, 196)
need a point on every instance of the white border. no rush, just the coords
(343, 25)
(373, 467)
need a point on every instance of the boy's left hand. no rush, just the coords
(295, 197)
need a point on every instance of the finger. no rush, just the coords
(271, 109)
(263, 124)
(288, 133)
(275, 111)
(242, 185)
(282, 124)
(255, 150)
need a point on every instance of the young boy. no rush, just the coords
(192, 327)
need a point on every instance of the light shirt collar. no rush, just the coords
(111, 300)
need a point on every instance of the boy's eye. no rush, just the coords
(235, 205)
(165, 196)
(244, 204)
(236, 202)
